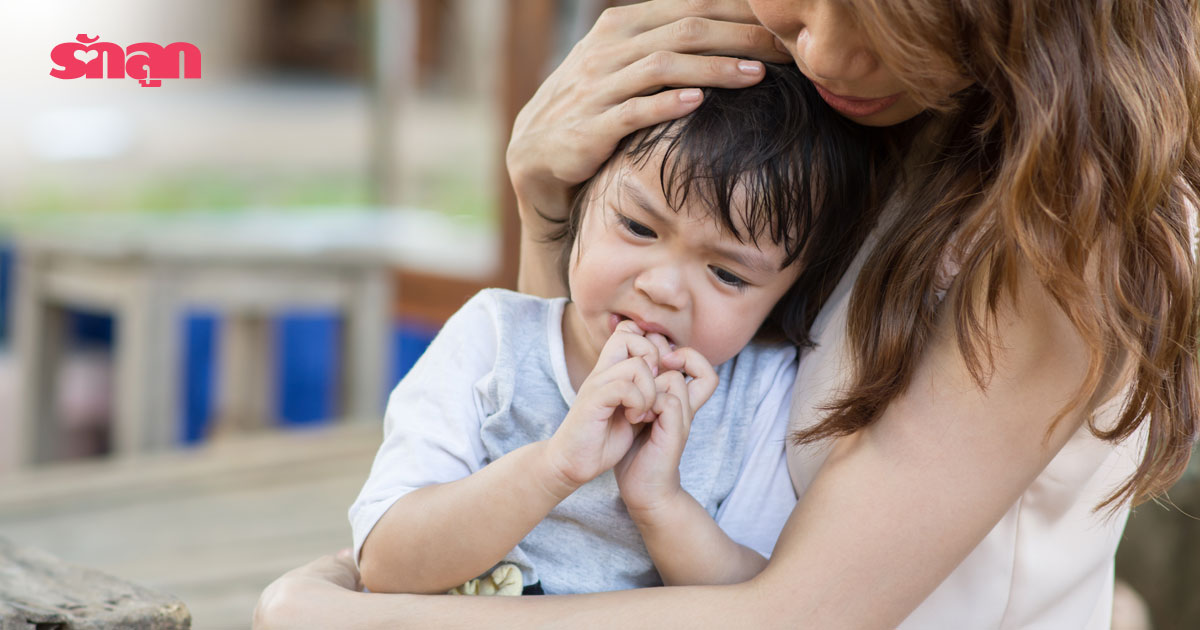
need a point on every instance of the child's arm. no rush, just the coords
(439, 536)
(686, 544)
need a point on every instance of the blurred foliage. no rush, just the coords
(207, 190)
(447, 192)
(219, 190)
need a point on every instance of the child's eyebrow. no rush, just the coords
(642, 201)
(741, 255)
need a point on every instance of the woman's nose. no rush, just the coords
(832, 47)
(664, 285)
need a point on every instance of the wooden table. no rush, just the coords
(211, 526)
(148, 271)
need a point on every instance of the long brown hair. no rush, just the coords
(1075, 151)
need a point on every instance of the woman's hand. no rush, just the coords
(309, 596)
(609, 86)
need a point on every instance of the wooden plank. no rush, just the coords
(428, 297)
(39, 590)
(211, 526)
(268, 455)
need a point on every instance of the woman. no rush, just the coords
(1009, 363)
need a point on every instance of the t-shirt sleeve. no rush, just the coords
(762, 498)
(431, 428)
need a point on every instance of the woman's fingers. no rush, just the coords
(663, 69)
(593, 99)
(649, 15)
(704, 36)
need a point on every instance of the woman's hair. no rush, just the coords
(1075, 152)
(776, 155)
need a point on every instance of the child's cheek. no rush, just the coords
(722, 339)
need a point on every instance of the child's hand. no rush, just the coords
(648, 475)
(620, 391)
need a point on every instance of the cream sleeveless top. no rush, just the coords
(1049, 562)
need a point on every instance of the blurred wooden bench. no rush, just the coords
(148, 271)
(211, 526)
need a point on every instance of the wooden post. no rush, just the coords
(391, 54)
(528, 40)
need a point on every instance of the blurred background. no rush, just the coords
(207, 288)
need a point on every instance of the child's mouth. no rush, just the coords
(616, 318)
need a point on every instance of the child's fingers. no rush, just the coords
(672, 383)
(640, 433)
(671, 419)
(636, 416)
(637, 343)
(636, 373)
(624, 393)
(629, 326)
(703, 378)
(628, 340)
(660, 342)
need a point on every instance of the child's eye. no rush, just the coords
(637, 229)
(728, 278)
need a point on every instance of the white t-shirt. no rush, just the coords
(495, 379)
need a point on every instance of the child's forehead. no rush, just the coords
(641, 183)
(641, 188)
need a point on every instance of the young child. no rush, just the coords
(590, 441)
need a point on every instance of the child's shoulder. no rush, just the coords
(762, 366)
(760, 353)
(508, 312)
(504, 302)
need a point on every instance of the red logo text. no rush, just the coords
(88, 58)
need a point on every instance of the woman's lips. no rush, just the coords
(857, 107)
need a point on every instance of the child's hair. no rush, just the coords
(801, 175)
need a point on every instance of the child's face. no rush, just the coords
(679, 274)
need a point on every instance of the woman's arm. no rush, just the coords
(894, 509)
(609, 86)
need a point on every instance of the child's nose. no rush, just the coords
(664, 285)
